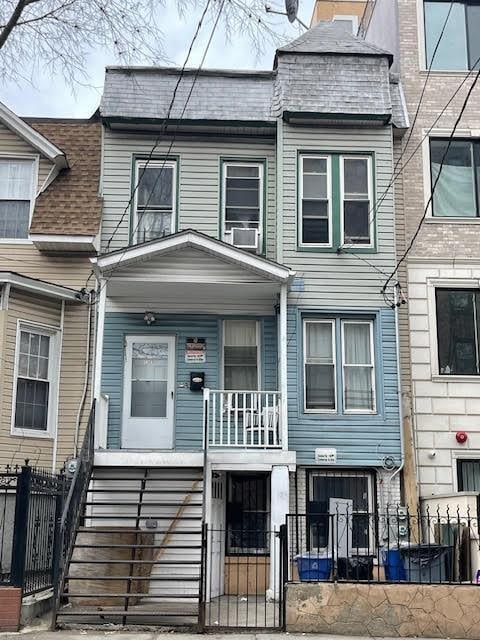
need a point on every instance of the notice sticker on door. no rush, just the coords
(195, 350)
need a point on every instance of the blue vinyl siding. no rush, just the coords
(361, 439)
(188, 404)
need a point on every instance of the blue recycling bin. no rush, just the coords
(393, 565)
(314, 567)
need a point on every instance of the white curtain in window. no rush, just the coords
(357, 378)
(240, 333)
(319, 342)
(357, 343)
(454, 194)
(16, 179)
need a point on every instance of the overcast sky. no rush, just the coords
(51, 96)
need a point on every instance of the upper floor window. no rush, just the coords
(241, 355)
(456, 193)
(335, 201)
(155, 199)
(16, 195)
(458, 328)
(357, 374)
(243, 204)
(34, 384)
(459, 46)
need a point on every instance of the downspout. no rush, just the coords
(279, 185)
(57, 400)
(400, 399)
(86, 377)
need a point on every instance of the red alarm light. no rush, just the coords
(461, 437)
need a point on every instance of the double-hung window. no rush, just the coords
(456, 193)
(354, 349)
(452, 42)
(155, 199)
(241, 355)
(335, 201)
(16, 196)
(243, 204)
(35, 379)
(458, 331)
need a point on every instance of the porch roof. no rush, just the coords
(118, 261)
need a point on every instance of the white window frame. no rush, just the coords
(34, 159)
(371, 208)
(348, 474)
(259, 357)
(343, 322)
(332, 322)
(156, 163)
(227, 235)
(315, 156)
(53, 378)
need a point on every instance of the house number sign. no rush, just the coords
(195, 350)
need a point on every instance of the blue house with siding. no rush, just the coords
(246, 359)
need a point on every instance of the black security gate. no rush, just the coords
(243, 591)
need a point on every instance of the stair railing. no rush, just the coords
(67, 525)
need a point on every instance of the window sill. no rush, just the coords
(345, 250)
(31, 433)
(454, 378)
(452, 220)
(442, 73)
(15, 241)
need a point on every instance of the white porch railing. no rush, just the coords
(246, 419)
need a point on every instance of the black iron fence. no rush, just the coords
(31, 500)
(439, 546)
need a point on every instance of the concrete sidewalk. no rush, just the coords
(36, 634)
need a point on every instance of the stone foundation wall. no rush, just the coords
(391, 610)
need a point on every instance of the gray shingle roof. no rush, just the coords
(399, 109)
(331, 37)
(217, 95)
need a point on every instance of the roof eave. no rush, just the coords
(40, 287)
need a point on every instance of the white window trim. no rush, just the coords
(348, 18)
(432, 285)
(53, 366)
(35, 159)
(259, 356)
(140, 164)
(371, 208)
(332, 322)
(328, 158)
(226, 235)
(347, 474)
(372, 367)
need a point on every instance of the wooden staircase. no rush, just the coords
(137, 554)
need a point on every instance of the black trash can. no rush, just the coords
(355, 568)
(427, 562)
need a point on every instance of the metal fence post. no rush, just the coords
(284, 571)
(20, 527)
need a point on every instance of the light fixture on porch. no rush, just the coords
(149, 317)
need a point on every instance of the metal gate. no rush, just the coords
(243, 591)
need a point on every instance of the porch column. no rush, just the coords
(279, 507)
(101, 415)
(282, 364)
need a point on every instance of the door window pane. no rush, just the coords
(33, 383)
(240, 355)
(457, 329)
(315, 201)
(247, 514)
(452, 49)
(319, 366)
(454, 194)
(149, 380)
(155, 206)
(358, 368)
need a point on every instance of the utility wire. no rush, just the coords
(434, 186)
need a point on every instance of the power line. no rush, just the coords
(434, 186)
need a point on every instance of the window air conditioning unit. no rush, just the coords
(245, 238)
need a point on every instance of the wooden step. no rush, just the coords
(168, 578)
(179, 562)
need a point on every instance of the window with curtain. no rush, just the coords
(16, 193)
(315, 201)
(456, 194)
(358, 366)
(319, 358)
(458, 331)
(243, 203)
(356, 201)
(154, 199)
(240, 355)
(339, 340)
(468, 473)
(459, 47)
(34, 379)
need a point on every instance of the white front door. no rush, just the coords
(148, 392)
